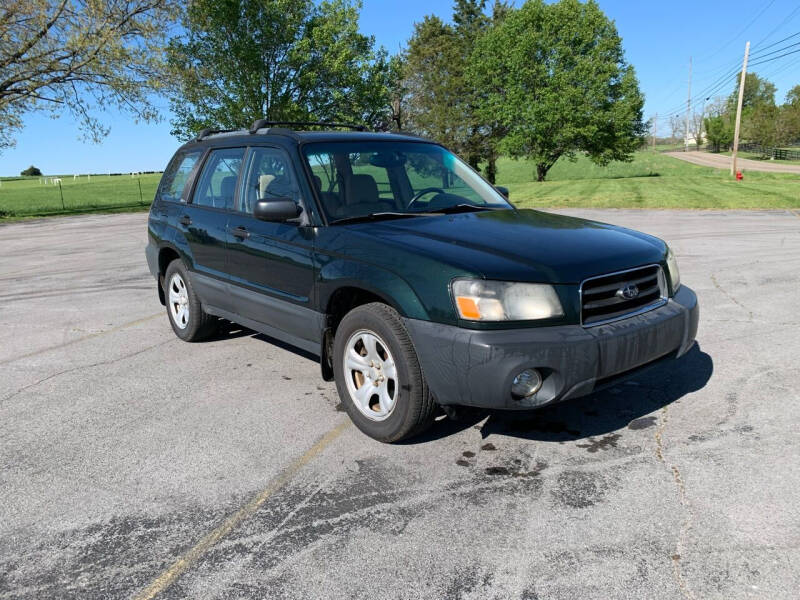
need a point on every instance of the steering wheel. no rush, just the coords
(422, 192)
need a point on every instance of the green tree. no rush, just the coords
(433, 83)
(719, 132)
(757, 92)
(787, 125)
(80, 57)
(555, 76)
(441, 100)
(241, 60)
(793, 96)
(31, 172)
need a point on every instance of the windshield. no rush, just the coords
(355, 179)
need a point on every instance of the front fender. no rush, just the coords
(393, 289)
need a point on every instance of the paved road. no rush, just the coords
(720, 161)
(132, 463)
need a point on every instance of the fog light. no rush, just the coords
(526, 383)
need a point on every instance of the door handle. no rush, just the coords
(186, 220)
(240, 232)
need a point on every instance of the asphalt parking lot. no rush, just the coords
(135, 465)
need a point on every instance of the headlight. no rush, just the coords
(674, 274)
(482, 300)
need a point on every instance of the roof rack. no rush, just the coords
(261, 123)
(209, 132)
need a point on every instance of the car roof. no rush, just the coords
(292, 137)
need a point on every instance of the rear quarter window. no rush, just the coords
(177, 174)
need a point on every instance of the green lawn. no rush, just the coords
(652, 180)
(26, 197)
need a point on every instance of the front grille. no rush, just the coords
(603, 298)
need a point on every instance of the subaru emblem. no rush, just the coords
(629, 291)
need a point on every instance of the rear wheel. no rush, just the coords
(378, 375)
(186, 315)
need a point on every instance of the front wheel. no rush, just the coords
(378, 375)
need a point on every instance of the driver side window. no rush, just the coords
(269, 176)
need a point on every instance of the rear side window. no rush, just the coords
(217, 183)
(177, 174)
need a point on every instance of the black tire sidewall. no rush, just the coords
(403, 420)
(193, 329)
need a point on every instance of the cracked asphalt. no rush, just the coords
(133, 465)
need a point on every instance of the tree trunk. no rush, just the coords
(491, 164)
(541, 171)
(491, 169)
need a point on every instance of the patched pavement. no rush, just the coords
(135, 465)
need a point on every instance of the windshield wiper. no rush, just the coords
(377, 216)
(459, 208)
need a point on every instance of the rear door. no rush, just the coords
(204, 220)
(271, 264)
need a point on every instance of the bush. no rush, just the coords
(31, 172)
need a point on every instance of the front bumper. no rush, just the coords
(475, 368)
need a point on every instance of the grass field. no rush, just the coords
(27, 197)
(652, 180)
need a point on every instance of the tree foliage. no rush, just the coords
(763, 122)
(31, 172)
(757, 92)
(793, 96)
(719, 132)
(80, 57)
(440, 98)
(241, 60)
(555, 76)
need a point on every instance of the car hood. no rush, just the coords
(520, 245)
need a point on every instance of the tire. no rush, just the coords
(378, 375)
(184, 311)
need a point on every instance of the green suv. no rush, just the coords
(414, 280)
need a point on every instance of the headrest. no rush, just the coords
(263, 184)
(227, 187)
(362, 189)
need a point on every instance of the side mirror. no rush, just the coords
(279, 209)
(503, 190)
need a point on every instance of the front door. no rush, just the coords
(271, 264)
(204, 222)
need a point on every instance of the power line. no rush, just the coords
(721, 82)
(729, 72)
(781, 24)
(781, 68)
(761, 62)
(736, 37)
(779, 41)
(707, 91)
(779, 50)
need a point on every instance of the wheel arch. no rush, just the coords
(166, 254)
(347, 285)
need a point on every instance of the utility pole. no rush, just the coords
(688, 109)
(699, 139)
(739, 110)
(655, 131)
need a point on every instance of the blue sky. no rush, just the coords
(658, 38)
